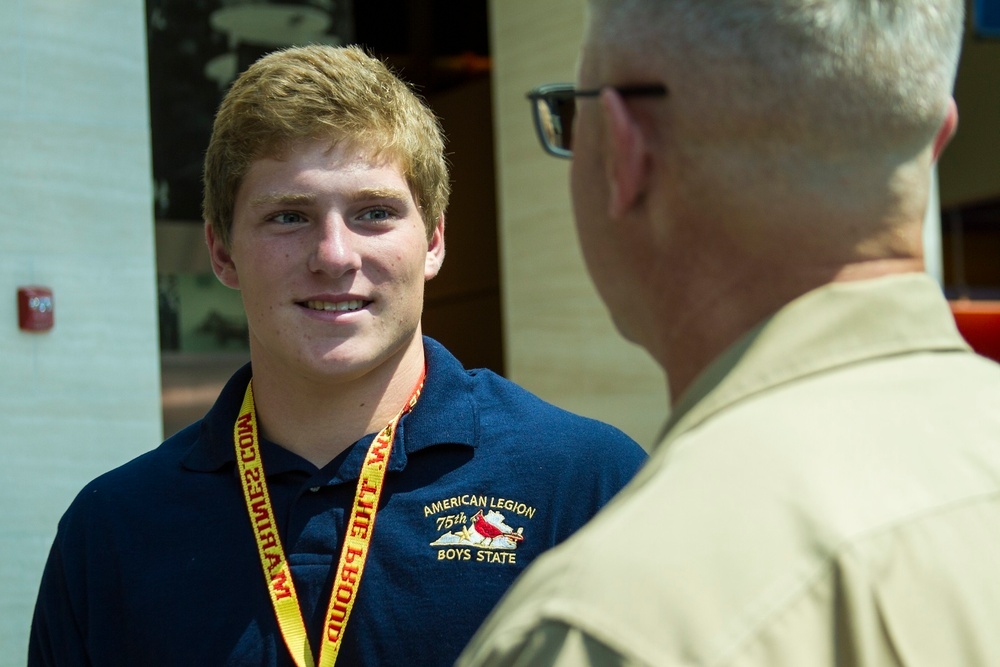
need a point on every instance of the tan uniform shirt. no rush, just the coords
(827, 493)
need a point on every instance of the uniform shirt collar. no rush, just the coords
(832, 326)
(445, 414)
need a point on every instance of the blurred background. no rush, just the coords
(106, 108)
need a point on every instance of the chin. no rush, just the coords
(625, 331)
(362, 358)
(625, 321)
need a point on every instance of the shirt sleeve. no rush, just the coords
(549, 644)
(56, 639)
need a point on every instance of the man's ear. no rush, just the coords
(625, 161)
(947, 130)
(435, 250)
(222, 261)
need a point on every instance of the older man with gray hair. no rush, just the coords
(749, 181)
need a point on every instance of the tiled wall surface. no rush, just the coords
(559, 340)
(75, 216)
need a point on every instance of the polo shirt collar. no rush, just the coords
(835, 325)
(445, 414)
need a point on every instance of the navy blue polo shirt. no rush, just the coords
(155, 562)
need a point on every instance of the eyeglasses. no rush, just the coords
(554, 105)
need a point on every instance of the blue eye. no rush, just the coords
(288, 218)
(376, 214)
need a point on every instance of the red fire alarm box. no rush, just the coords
(35, 308)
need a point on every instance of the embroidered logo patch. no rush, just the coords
(479, 530)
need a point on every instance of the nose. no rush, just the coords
(335, 248)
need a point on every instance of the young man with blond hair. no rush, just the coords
(250, 538)
(750, 179)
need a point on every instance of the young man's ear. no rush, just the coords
(222, 261)
(435, 250)
(947, 130)
(626, 166)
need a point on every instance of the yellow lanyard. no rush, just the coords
(353, 554)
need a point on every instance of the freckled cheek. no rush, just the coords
(262, 319)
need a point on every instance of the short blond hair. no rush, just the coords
(326, 93)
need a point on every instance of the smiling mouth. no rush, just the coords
(339, 306)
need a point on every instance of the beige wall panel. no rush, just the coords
(559, 339)
(75, 216)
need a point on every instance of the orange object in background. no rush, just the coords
(979, 323)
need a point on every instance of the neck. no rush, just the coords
(318, 417)
(703, 328)
(731, 261)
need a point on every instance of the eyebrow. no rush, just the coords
(304, 199)
(285, 198)
(380, 193)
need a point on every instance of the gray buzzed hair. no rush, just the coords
(844, 75)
